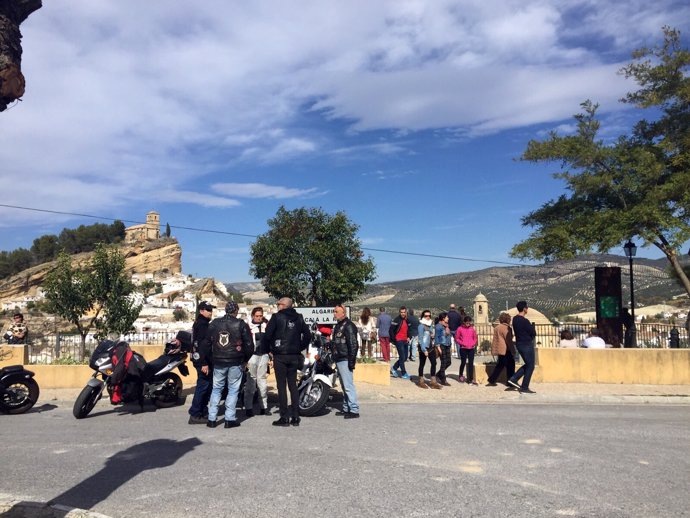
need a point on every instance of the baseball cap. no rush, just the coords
(231, 307)
(206, 306)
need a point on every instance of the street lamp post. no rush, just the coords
(630, 251)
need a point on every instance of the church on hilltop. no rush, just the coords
(149, 231)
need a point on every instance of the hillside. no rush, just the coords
(140, 257)
(559, 286)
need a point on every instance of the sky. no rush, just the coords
(409, 116)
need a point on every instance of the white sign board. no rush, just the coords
(319, 315)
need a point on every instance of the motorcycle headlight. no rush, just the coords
(108, 371)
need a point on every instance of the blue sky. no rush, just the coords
(407, 115)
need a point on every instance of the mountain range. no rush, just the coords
(557, 287)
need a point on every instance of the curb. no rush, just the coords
(12, 507)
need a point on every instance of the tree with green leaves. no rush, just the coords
(635, 186)
(311, 256)
(94, 295)
(167, 230)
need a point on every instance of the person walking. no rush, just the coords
(442, 341)
(427, 350)
(367, 331)
(257, 368)
(466, 338)
(287, 335)
(344, 340)
(231, 346)
(400, 332)
(503, 347)
(198, 411)
(383, 325)
(525, 334)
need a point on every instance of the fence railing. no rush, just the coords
(67, 348)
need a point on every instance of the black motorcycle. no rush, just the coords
(18, 390)
(128, 377)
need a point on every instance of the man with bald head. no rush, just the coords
(286, 336)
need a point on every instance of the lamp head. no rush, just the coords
(630, 249)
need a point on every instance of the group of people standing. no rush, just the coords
(225, 347)
(435, 338)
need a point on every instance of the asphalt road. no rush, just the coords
(423, 459)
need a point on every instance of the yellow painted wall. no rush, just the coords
(634, 366)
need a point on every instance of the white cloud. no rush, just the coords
(117, 106)
(260, 190)
(196, 198)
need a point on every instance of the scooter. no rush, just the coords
(18, 390)
(154, 380)
(318, 378)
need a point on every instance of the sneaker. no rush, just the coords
(462, 379)
(445, 383)
(212, 424)
(474, 383)
(491, 384)
(513, 384)
(405, 376)
(351, 415)
(527, 391)
(264, 411)
(341, 413)
(394, 373)
(231, 424)
(196, 419)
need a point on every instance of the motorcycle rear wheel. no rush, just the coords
(169, 394)
(87, 399)
(19, 397)
(313, 399)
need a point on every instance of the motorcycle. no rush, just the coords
(18, 390)
(138, 380)
(318, 378)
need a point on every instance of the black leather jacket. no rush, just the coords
(199, 332)
(286, 333)
(230, 340)
(344, 340)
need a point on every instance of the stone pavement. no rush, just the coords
(406, 391)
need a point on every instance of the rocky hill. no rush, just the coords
(162, 255)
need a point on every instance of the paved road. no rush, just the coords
(417, 459)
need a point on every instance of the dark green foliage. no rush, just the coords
(311, 256)
(72, 241)
(634, 187)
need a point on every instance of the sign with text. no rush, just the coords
(319, 315)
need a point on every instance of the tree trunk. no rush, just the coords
(678, 268)
(82, 346)
(12, 14)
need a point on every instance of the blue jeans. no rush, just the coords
(234, 377)
(412, 347)
(349, 393)
(527, 353)
(402, 347)
(202, 394)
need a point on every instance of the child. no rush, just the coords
(466, 337)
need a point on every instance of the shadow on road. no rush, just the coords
(122, 467)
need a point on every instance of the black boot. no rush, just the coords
(295, 421)
(283, 421)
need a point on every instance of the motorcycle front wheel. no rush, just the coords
(86, 400)
(169, 394)
(314, 398)
(19, 397)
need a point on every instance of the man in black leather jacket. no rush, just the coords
(231, 346)
(345, 345)
(286, 336)
(204, 371)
